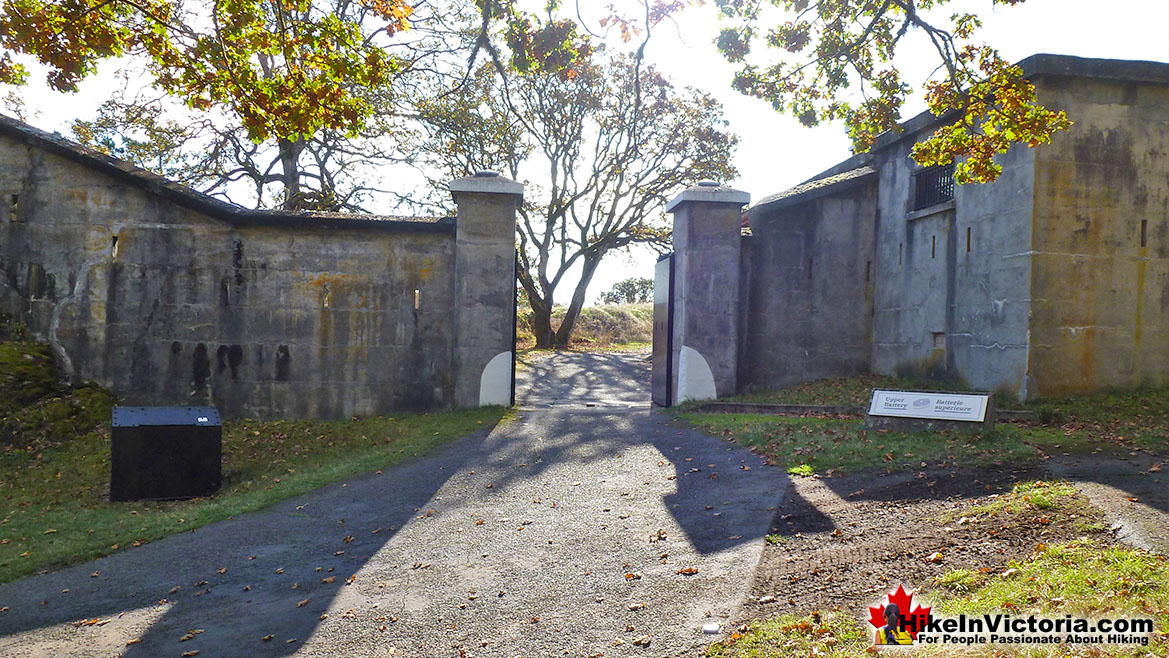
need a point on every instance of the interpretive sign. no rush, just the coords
(932, 406)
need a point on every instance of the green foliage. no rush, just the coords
(637, 290)
(825, 49)
(26, 375)
(286, 69)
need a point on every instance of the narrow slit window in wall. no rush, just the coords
(868, 271)
(900, 248)
(967, 239)
(114, 247)
(933, 246)
(13, 206)
(1144, 232)
(417, 298)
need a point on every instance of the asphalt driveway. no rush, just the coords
(571, 531)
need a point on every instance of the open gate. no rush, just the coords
(662, 377)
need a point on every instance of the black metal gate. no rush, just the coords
(662, 377)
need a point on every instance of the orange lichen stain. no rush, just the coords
(426, 270)
(337, 280)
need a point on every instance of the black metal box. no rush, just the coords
(165, 453)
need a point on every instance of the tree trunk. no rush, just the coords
(541, 312)
(542, 325)
(588, 268)
(290, 161)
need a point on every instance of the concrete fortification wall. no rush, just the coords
(1052, 280)
(952, 290)
(809, 289)
(1101, 237)
(169, 297)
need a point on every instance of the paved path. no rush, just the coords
(578, 379)
(1132, 489)
(515, 543)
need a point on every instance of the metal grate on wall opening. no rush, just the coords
(933, 185)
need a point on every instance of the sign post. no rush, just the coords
(911, 411)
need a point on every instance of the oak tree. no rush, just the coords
(274, 90)
(602, 150)
(833, 60)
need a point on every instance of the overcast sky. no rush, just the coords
(775, 152)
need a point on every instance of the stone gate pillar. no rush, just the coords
(484, 287)
(707, 229)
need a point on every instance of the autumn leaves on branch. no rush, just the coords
(291, 68)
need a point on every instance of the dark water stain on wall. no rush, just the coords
(283, 363)
(200, 374)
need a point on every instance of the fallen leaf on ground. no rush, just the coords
(328, 580)
(642, 641)
(303, 603)
(935, 557)
(267, 637)
(687, 571)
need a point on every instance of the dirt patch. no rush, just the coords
(845, 541)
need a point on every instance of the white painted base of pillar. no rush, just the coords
(695, 379)
(495, 382)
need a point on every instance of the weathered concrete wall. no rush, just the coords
(808, 290)
(1100, 278)
(952, 291)
(275, 315)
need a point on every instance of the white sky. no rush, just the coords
(775, 152)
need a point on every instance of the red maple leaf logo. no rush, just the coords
(912, 622)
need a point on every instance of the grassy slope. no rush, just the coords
(622, 326)
(55, 464)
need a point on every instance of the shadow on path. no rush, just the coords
(556, 532)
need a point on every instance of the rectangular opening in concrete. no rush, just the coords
(1144, 232)
(939, 340)
(933, 185)
(933, 246)
(13, 206)
(900, 248)
(868, 271)
(967, 239)
(114, 247)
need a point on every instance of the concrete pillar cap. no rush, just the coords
(486, 182)
(710, 192)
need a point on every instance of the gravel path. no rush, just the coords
(560, 533)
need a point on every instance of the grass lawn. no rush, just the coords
(54, 508)
(806, 445)
(1080, 578)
